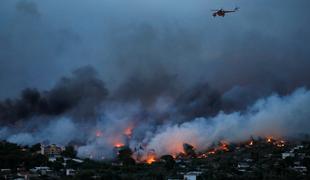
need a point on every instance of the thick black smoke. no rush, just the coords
(82, 93)
(199, 101)
(147, 89)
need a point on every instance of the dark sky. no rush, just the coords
(263, 46)
(156, 66)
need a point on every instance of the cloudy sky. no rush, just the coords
(162, 68)
(265, 45)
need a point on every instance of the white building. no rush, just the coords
(41, 170)
(287, 154)
(192, 175)
(70, 172)
(243, 166)
(77, 160)
(301, 169)
(51, 150)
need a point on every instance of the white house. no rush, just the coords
(287, 154)
(192, 175)
(70, 172)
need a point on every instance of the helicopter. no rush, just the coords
(222, 12)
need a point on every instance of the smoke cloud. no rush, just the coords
(96, 120)
(82, 93)
(152, 74)
(275, 116)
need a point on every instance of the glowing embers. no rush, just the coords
(202, 155)
(151, 157)
(222, 147)
(119, 145)
(269, 139)
(280, 143)
(275, 141)
(150, 160)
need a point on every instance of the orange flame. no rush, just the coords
(150, 160)
(251, 143)
(151, 157)
(201, 156)
(280, 143)
(269, 139)
(211, 152)
(275, 141)
(118, 145)
(223, 146)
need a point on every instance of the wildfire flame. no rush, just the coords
(150, 160)
(251, 143)
(223, 146)
(151, 157)
(280, 143)
(203, 155)
(118, 145)
(269, 139)
(276, 141)
(212, 152)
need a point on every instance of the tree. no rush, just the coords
(57, 166)
(189, 150)
(36, 160)
(72, 164)
(69, 152)
(169, 161)
(35, 147)
(124, 153)
(85, 175)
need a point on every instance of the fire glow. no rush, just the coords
(128, 132)
(118, 145)
(223, 146)
(150, 160)
(148, 156)
(269, 139)
(99, 133)
(151, 157)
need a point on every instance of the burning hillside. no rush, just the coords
(142, 155)
(134, 81)
(80, 110)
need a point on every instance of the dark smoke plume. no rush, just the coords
(82, 91)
